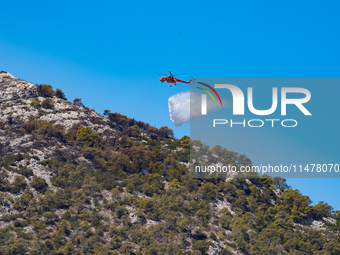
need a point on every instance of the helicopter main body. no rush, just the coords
(172, 80)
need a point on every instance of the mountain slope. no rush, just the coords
(75, 182)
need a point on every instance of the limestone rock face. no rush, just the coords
(16, 96)
(12, 88)
(17, 114)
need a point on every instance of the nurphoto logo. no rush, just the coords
(239, 105)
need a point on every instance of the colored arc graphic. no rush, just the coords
(210, 93)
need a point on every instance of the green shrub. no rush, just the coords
(18, 246)
(44, 162)
(10, 217)
(27, 172)
(45, 90)
(87, 137)
(69, 248)
(39, 184)
(120, 211)
(77, 101)
(47, 103)
(90, 185)
(130, 188)
(201, 245)
(36, 158)
(35, 103)
(23, 201)
(50, 217)
(10, 160)
(18, 184)
(147, 204)
(19, 224)
(59, 94)
(106, 112)
(225, 251)
(213, 236)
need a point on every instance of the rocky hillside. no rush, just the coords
(75, 182)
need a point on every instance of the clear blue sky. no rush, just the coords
(107, 52)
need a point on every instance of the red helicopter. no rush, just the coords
(171, 79)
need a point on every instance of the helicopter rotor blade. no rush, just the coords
(181, 74)
(163, 74)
